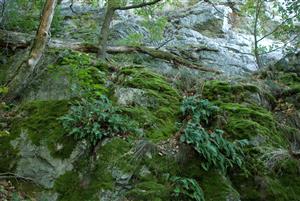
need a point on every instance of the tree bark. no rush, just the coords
(112, 6)
(24, 71)
(256, 50)
(105, 32)
(42, 34)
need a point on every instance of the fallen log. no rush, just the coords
(16, 40)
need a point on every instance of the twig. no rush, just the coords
(286, 44)
(276, 28)
(164, 43)
(10, 175)
(71, 7)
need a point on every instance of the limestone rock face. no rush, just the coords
(213, 36)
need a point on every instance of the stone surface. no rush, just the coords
(205, 34)
(37, 163)
(132, 96)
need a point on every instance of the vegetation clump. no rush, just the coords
(189, 188)
(212, 147)
(95, 119)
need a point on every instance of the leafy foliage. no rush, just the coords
(215, 150)
(200, 110)
(94, 119)
(30, 15)
(155, 27)
(3, 90)
(134, 39)
(188, 188)
(286, 29)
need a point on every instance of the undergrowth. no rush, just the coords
(95, 119)
(214, 149)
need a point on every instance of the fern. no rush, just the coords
(186, 187)
(200, 110)
(216, 151)
(94, 119)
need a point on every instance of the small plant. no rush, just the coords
(186, 187)
(95, 119)
(3, 90)
(199, 109)
(216, 151)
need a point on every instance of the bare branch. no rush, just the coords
(164, 43)
(285, 44)
(71, 7)
(276, 28)
(10, 175)
(138, 5)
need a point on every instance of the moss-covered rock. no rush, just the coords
(158, 115)
(217, 187)
(40, 120)
(91, 179)
(8, 154)
(149, 191)
(250, 122)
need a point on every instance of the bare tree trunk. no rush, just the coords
(42, 34)
(112, 6)
(105, 32)
(256, 50)
(23, 72)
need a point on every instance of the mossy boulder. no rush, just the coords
(40, 120)
(252, 122)
(240, 91)
(110, 172)
(157, 108)
(8, 154)
(149, 191)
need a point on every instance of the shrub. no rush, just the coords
(216, 151)
(94, 119)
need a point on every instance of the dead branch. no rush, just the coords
(20, 40)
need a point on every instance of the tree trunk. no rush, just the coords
(25, 70)
(105, 32)
(256, 50)
(42, 34)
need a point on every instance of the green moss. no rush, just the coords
(8, 155)
(69, 188)
(292, 92)
(289, 78)
(39, 119)
(291, 182)
(149, 191)
(217, 187)
(84, 182)
(288, 166)
(86, 75)
(262, 186)
(162, 165)
(158, 119)
(228, 92)
(248, 121)
(114, 154)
